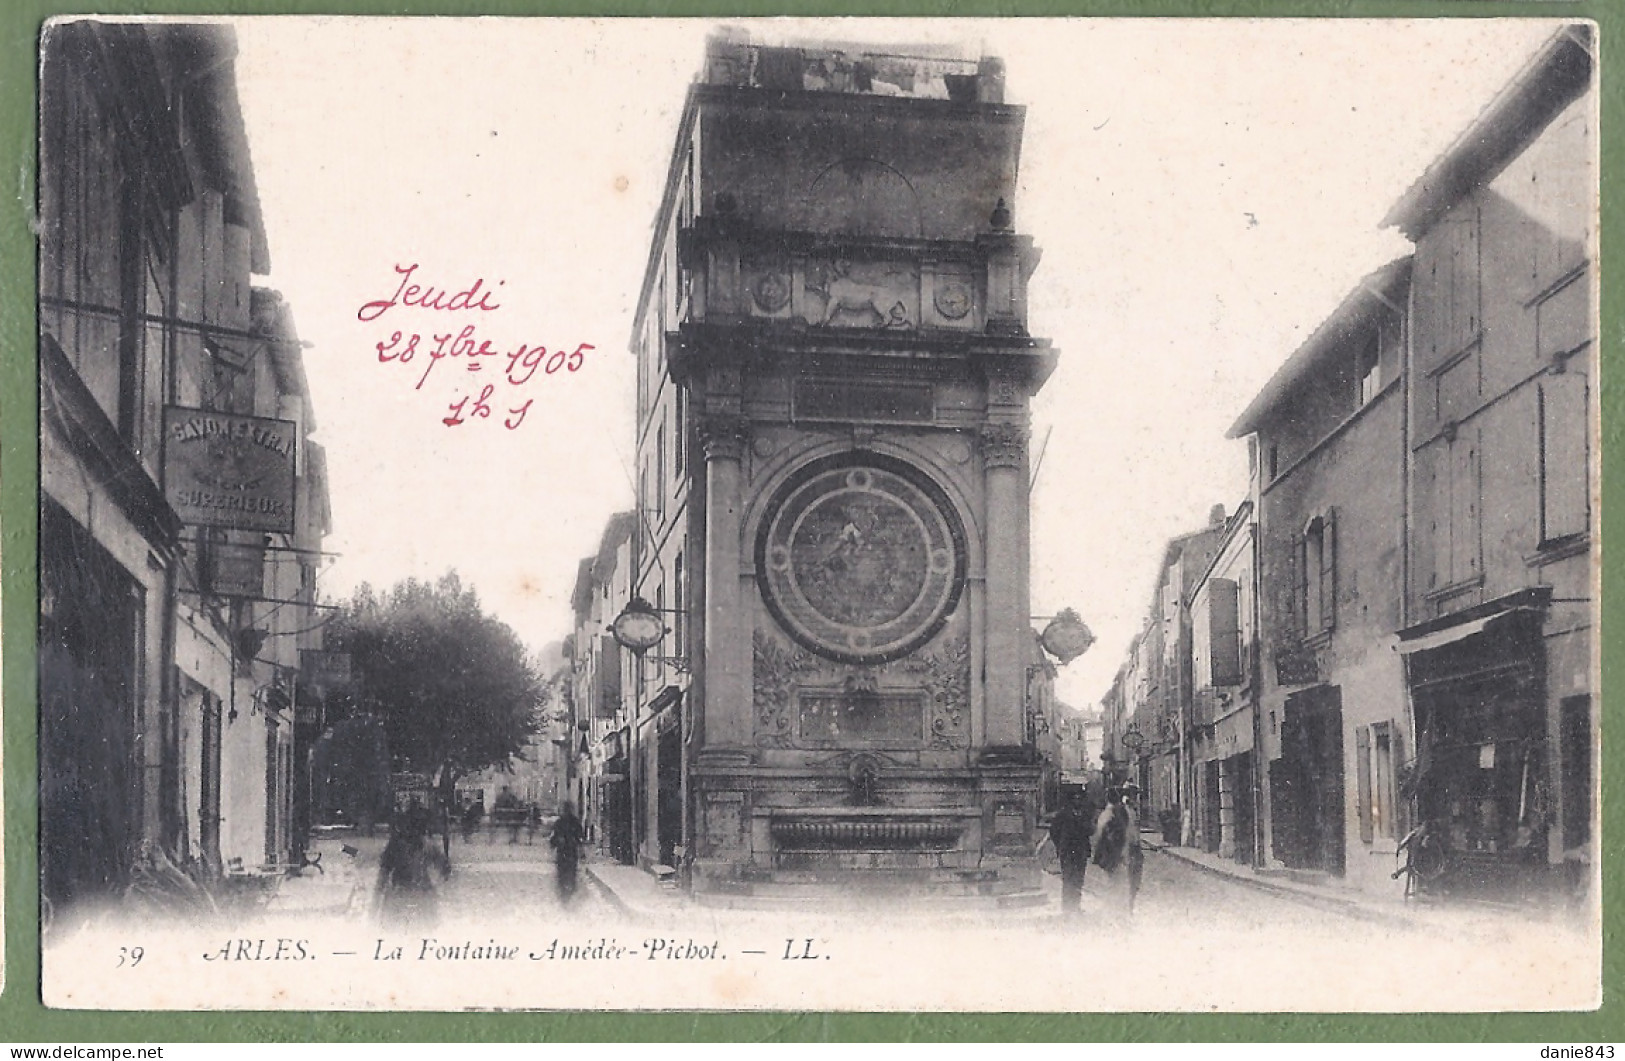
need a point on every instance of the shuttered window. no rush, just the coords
(1563, 326)
(1363, 786)
(1328, 571)
(1464, 507)
(1224, 631)
(1565, 495)
(1385, 755)
(1447, 276)
(1317, 575)
(1376, 750)
(1452, 472)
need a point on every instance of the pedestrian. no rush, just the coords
(1069, 832)
(1116, 844)
(405, 897)
(508, 812)
(533, 818)
(566, 844)
(471, 820)
(1134, 853)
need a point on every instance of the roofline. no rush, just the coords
(1559, 73)
(1241, 517)
(1376, 289)
(668, 203)
(701, 92)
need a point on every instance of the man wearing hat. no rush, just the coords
(1070, 833)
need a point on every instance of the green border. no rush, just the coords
(23, 1019)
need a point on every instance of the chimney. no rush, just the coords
(1215, 516)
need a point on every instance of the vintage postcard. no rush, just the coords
(866, 514)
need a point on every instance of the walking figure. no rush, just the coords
(1069, 832)
(471, 820)
(406, 891)
(508, 812)
(1116, 843)
(566, 844)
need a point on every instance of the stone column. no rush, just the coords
(1004, 452)
(727, 634)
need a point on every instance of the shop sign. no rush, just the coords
(225, 470)
(325, 670)
(234, 570)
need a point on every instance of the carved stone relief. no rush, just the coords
(952, 299)
(1003, 445)
(945, 677)
(941, 674)
(722, 435)
(774, 670)
(771, 291)
(856, 294)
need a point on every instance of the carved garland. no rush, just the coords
(774, 670)
(943, 675)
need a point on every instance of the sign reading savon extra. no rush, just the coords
(225, 470)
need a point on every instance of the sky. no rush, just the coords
(1204, 192)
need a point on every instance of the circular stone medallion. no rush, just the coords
(953, 300)
(861, 558)
(772, 292)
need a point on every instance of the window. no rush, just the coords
(645, 502)
(660, 469)
(1224, 632)
(660, 609)
(1446, 276)
(1453, 496)
(1376, 754)
(1563, 326)
(680, 618)
(1565, 493)
(96, 199)
(679, 430)
(1317, 575)
(1368, 368)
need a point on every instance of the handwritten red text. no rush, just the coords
(510, 366)
(427, 297)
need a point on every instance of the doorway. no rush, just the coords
(669, 795)
(1312, 761)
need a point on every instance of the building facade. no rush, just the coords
(1223, 733)
(1147, 714)
(834, 373)
(168, 687)
(600, 784)
(1424, 473)
(1502, 589)
(1329, 437)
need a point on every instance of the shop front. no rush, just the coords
(1480, 780)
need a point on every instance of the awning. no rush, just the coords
(1449, 635)
(1451, 629)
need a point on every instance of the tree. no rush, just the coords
(453, 687)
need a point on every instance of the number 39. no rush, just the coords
(129, 956)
